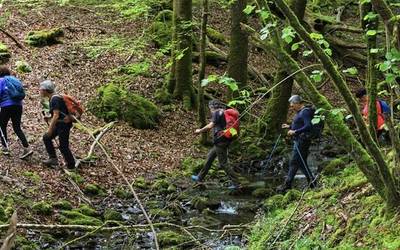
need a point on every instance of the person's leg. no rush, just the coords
(294, 165)
(212, 154)
(48, 143)
(16, 122)
(303, 147)
(63, 137)
(4, 118)
(222, 153)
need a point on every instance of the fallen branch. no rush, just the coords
(12, 38)
(81, 194)
(103, 131)
(8, 242)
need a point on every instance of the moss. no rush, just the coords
(216, 36)
(160, 186)
(4, 53)
(333, 166)
(23, 67)
(86, 210)
(140, 182)
(92, 189)
(164, 15)
(191, 165)
(111, 214)
(161, 33)
(47, 238)
(163, 96)
(171, 238)
(78, 179)
(291, 195)
(23, 243)
(42, 208)
(62, 204)
(76, 218)
(164, 213)
(123, 193)
(3, 215)
(114, 102)
(274, 202)
(171, 188)
(262, 192)
(32, 175)
(199, 202)
(44, 37)
(136, 69)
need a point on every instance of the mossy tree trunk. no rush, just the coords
(372, 89)
(391, 192)
(202, 71)
(281, 94)
(392, 27)
(171, 81)
(183, 67)
(238, 46)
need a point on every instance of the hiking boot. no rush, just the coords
(5, 151)
(51, 162)
(195, 178)
(27, 152)
(282, 189)
(77, 163)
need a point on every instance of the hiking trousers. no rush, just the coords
(13, 113)
(62, 130)
(299, 160)
(219, 150)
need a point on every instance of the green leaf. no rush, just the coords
(371, 32)
(249, 9)
(328, 52)
(295, 46)
(204, 82)
(390, 78)
(315, 120)
(370, 16)
(288, 34)
(374, 51)
(307, 53)
(316, 36)
(352, 71)
(384, 66)
(265, 15)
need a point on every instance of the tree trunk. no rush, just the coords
(280, 95)
(202, 71)
(171, 82)
(392, 196)
(238, 47)
(184, 89)
(384, 11)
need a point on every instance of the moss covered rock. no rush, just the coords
(161, 32)
(163, 96)
(86, 210)
(216, 36)
(23, 243)
(42, 208)
(74, 217)
(140, 182)
(274, 202)
(41, 38)
(192, 165)
(4, 53)
(114, 102)
(123, 193)
(23, 67)
(158, 212)
(171, 238)
(92, 189)
(111, 214)
(262, 192)
(160, 186)
(334, 166)
(62, 204)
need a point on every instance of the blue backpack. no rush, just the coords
(385, 107)
(14, 89)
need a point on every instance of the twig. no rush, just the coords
(105, 129)
(82, 195)
(12, 38)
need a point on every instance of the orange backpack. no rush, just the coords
(74, 107)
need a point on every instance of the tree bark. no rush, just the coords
(202, 71)
(171, 82)
(384, 11)
(183, 71)
(238, 46)
(391, 196)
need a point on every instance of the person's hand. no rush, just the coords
(68, 119)
(197, 131)
(49, 133)
(47, 118)
(285, 125)
(291, 132)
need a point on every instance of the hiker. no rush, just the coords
(221, 144)
(11, 96)
(361, 94)
(300, 130)
(60, 124)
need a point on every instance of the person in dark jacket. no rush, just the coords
(221, 144)
(11, 109)
(299, 129)
(60, 125)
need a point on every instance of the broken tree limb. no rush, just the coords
(103, 131)
(334, 40)
(251, 69)
(8, 242)
(342, 27)
(81, 194)
(19, 45)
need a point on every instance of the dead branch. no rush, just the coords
(103, 131)
(8, 242)
(330, 28)
(81, 194)
(19, 45)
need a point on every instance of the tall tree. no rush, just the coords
(183, 66)
(202, 71)
(239, 42)
(281, 94)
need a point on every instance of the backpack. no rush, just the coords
(231, 130)
(74, 107)
(385, 107)
(14, 89)
(316, 128)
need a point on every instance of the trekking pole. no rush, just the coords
(264, 168)
(307, 169)
(4, 138)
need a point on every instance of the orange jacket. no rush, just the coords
(380, 120)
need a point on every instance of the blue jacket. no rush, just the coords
(302, 121)
(5, 99)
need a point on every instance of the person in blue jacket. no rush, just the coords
(10, 110)
(299, 130)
